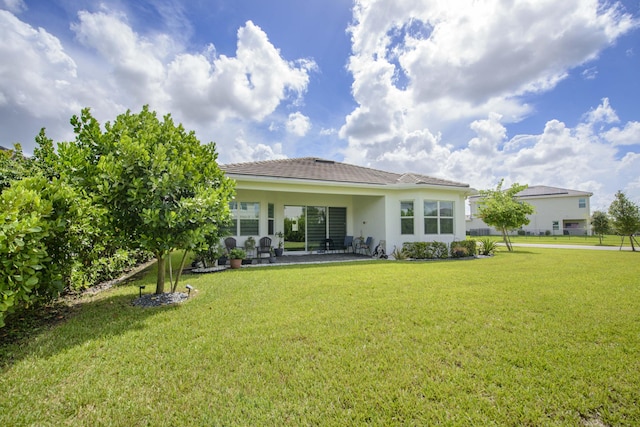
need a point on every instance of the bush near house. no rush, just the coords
(426, 250)
(463, 248)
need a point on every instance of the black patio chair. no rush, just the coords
(264, 247)
(229, 243)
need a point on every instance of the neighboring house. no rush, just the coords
(558, 211)
(311, 200)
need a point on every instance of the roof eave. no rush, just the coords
(325, 183)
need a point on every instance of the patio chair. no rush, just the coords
(264, 247)
(348, 243)
(229, 243)
(367, 245)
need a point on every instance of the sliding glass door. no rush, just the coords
(307, 228)
(295, 236)
(316, 227)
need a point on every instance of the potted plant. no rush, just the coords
(272, 256)
(250, 244)
(279, 250)
(236, 255)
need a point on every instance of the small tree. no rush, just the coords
(502, 209)
(600, 224)
(163, 189)
(625, 217)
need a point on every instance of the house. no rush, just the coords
(558, 211)
(311, 200)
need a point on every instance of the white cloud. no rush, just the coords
(244, 151)
(298, 124)
(602, 114)
(328, 132)
(590, 73)
(117, 68)
(628, 135)
(249, 86)
(40, 68)
(433, 66)
(424, 71)
(14, 6)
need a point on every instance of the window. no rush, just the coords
(438, 217)
(271, 221)
(582, 203)
(249, 215)
(246, 215)
(406, 217)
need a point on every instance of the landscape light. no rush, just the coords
(189, 287)
(141, 288)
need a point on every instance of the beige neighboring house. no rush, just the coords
(312, 200)
(558, 211)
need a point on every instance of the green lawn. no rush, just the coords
(609, 240)
(534, 337)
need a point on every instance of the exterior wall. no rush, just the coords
(564, 210)
(393, 226)
(280, 200)
(371, 210)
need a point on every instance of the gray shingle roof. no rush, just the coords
(543, 190)
(312, 168)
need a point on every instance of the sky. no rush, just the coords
(539, 92)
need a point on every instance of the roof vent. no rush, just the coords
(329, 162)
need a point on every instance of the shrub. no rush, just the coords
(398, 254)
(23, 253)
(488, 246)
(415, 250)
(437, 250)
(463, 248)
(425, 250)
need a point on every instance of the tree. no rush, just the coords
(502, 209)
(625, 217)
(13, 166)
(25, 260)
(600, 224)
(163, 189)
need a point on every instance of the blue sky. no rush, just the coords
(541, 93)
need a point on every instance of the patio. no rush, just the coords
(316, 258)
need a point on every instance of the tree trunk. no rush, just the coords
(161, 267)
(179, 273)
(506, 239)
(631, 239)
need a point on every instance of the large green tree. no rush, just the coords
(501, 209)
(600, 224)
(625, 217)
(162, 188)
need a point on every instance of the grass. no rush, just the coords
(608, 240)
(533, 337)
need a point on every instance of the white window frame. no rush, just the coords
(439, 217)
(411, 217)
